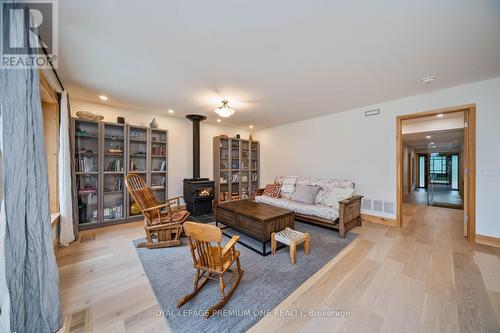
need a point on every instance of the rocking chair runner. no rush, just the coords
(165, 224)
(212, 261)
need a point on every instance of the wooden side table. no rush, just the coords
(291, 238)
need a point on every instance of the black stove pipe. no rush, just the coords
(196, 119)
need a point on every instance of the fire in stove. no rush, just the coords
(204, 192)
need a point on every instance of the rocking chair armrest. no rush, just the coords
(175, 201)
(175, 198)
(232, 242)
(166, 204)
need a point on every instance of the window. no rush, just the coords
(438, 163)
(421, 171)
(454, 172)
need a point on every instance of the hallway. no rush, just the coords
(443, 197)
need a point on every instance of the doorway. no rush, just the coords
(439, 175)
(436, 161)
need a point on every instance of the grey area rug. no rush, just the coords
(266, 282)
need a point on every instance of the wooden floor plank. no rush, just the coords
(439, 315)
(475, 311)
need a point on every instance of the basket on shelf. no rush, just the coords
(85, 115)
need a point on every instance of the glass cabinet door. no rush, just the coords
(235, 154)
(87, 191)
(137, 149)
(158, 163)
(87, 169)
(86, 146)
(245, 185)
(114, 170)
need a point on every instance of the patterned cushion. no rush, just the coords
(336, 195)
(272, 190)
(288, 186)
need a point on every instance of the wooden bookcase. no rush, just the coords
(236, 168)
(104, 154)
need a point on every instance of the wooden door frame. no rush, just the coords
(469, 159)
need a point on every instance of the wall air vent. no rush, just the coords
(366, 204)
(378, 206)
(389, 207)
(372, 113)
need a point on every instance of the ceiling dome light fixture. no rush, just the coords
(224, 110)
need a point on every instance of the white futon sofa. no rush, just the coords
(343, 218)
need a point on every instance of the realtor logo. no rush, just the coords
(29, 34)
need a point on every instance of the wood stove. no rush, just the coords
(198, 192)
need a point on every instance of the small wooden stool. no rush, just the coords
(291, 238)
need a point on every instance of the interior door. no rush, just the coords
(466, 173)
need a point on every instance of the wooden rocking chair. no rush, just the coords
(212, 261)
(166, 225)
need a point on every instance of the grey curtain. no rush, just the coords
(31, 270)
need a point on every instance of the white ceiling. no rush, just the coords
(441, 140)
(275, 61)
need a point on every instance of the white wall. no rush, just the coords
(349, 145)
(180, 136)
(433, 124)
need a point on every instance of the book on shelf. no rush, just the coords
(86, 190)
(158, 150)
(116, 165)
(115, 212)
(86, 164)
(163, 166)
(117, 185)
(223, 196)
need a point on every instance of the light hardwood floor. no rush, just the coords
(422, 277)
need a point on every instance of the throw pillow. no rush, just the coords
(272, 190)
(337, 194)
(305, 194)
(288, 186)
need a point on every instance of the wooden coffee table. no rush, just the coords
(254, 219)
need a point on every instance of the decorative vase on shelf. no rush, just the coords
(134, 209)
(153, 123)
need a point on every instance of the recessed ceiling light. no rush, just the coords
(440, 115)
(218, 120)
(428, 137)
(251, 126)
(103, 97)
(428, 79)
(171, 111)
